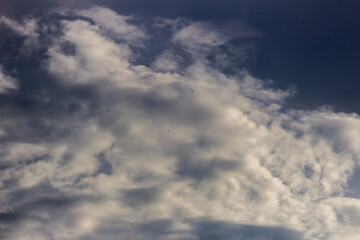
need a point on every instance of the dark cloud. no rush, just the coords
(105, 166)
(156, 229)
(41, 206)
(140, 197)
(10, 217)
(123, 229)
(204, 169)
(226, 230)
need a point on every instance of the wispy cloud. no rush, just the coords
(6, 82)
(28, 29)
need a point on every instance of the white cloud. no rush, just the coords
(152, 148)
(167, 61)
(6, 82)
(116, 25)
(348, 213)
(28, 29)
(96, 58)
(203, 33)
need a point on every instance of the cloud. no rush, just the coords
(115, 25)
(167, 62)
(348, 214)
(111, 148)
(228, 230)
(27, 29)
(6, 82)
(204, 33)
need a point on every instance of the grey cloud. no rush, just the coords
(6, 82)
(147, 230)
(10, 217)
(204, 169)
(226, 230)
(140, 197)
(199, 229)
(105, 166)
(43, 207)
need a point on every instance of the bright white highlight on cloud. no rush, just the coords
(166, 154)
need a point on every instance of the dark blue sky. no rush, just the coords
(311, 44)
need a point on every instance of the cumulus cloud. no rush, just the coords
(182, 151)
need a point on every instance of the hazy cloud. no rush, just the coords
(6, 82)
(28, 29)
(115, 25)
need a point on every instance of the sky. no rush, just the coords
(178, 120)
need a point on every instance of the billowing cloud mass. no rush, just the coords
(113, 145)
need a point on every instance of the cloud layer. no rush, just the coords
(177, 147)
